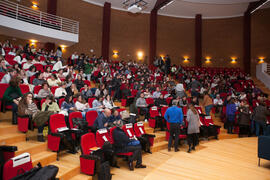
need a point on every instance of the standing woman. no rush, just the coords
(12, 96)
(207, 103)
(193, 129)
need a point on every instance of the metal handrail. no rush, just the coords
(23, 13)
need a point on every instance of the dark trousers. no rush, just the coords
(174, 134)
(137, 154)
(145, 112)
(230, 126)
(244, 129)
(193, 139)
(258, 126)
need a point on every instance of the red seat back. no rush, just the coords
(24, 88)
(199, 109)
(90, 102)
(88, 141)
(57, 121)
(39, 67)
(16, 166)
(91, 117)
(37, 89)
(128, 128)
(1, 75)
(53, 88)
(139, 129)
(208, 120)
(61, 102)
(149, 100)
(154, 111)
(163, 110)
(3, 88)
(102, 135)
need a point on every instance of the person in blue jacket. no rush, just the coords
(230, 114)
(174, 116)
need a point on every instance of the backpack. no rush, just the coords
(80, 123)
(104, 172)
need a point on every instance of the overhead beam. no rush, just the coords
(253, 6)
(160, 3)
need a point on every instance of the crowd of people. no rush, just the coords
(227, 92)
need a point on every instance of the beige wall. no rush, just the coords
(175, 36)
(129, 34)
(222, 39)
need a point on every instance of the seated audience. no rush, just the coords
(61, 91)
(68, 105)
(108, 103)
(102, 119)
(10, 74)
(143, 106)
(53, 80)
(50, 105)
(44, 91)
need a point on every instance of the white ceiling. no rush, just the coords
(210, 9)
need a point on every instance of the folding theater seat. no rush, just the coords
(213, 130)
(184, 109)
(88, 160)
(17, 166)
(79, 131)
(200, 111)
(127, 154)
(25, 123)
(6, 152)
(155, 118)
(59, 134)
(128, 128)
(183, 132)
(150, 101)
(90, 117)
(90, 102)
(144, 138)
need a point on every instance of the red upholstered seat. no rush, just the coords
(140, 131)
(154, 113)
(87, 164)
(102, 135)
(90, 102)
(16, 166)
(24, 88)
(181, 135)
(91, 117)
(128, 128)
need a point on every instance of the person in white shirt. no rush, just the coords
(83, 106)
(157, 93)
(61, 91)
(218, 103)
(53, 81)
(74, 57)
(13, 52)
(18, 58)
(6, 78)
(28, 64)
(108, 103)
(58, 65)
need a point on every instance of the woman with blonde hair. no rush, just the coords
(193, 129)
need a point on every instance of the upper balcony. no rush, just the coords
(25, 23)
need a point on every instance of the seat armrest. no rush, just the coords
(90, 157)
(8, 148)
(61, 135)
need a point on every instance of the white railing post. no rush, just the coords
(61, 23)
(17, 7)
(40, 17)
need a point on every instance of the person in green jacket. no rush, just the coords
(12, 96)
(88, 68)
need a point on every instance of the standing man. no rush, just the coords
(168, 64)
(174, 116)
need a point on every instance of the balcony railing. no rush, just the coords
(39, 18)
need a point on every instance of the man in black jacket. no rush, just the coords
(122, 144)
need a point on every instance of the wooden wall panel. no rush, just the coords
(222, 39)
(129, 34)
(90, 19)
(175, 36)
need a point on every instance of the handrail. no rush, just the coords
(23, 13)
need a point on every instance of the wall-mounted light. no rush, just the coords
(233, 60)
(186, 59)
(115, 54)
(35, 5)
(63, 47)
(207, 59)
(261, 60)
(33, 42)
(140, 55)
